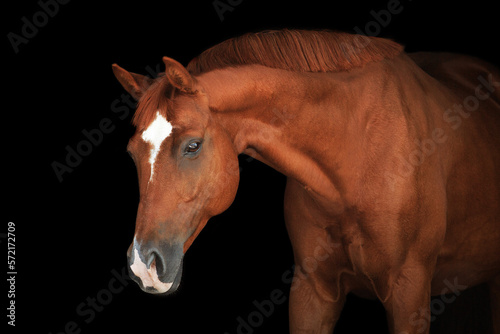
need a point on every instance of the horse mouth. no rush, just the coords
(166, 289)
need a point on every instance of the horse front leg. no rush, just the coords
(316, 295)
(314, 306)
(408, 304)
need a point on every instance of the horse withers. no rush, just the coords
(393, 157)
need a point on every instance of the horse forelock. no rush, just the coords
(156, 99)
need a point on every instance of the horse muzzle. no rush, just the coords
(156, 267)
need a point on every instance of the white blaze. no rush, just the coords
(149, 277)
(155, 134)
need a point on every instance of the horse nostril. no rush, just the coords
(156, 260)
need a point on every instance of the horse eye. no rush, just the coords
(193, 147)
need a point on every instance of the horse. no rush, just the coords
(391, 160)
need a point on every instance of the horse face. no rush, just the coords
(188, 172)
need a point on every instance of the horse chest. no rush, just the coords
(342, 252)
(356, 261)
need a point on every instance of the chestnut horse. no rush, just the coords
(392, 161)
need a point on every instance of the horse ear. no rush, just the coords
(178, 75)
(134, 84)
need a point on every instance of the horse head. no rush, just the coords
(187, 168)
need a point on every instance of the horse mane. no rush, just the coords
(296, 50)
(293, 50)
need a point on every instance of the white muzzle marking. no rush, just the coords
(149, 277)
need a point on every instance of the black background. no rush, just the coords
(71, 235)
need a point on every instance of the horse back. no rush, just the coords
(461, 74)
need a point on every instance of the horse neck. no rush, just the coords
(306, 125)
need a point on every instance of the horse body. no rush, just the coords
(470, 248)
(390, 225)
(392, 165)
